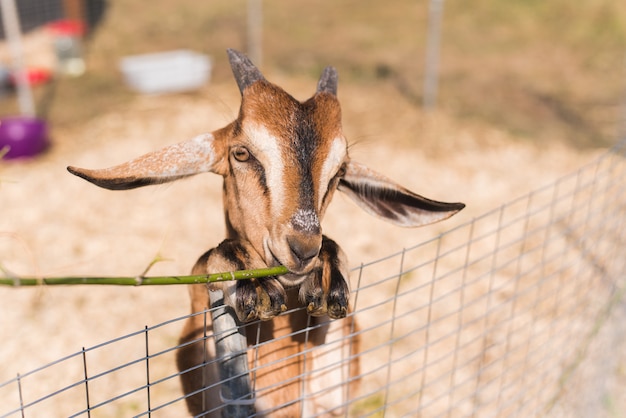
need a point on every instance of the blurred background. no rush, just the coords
(540, 71)
(479, 102)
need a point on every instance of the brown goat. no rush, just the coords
(281, 160)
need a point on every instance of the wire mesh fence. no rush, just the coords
(519, 312)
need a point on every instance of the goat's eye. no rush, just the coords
(241, 154)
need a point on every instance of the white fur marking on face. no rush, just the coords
(336, 156)
(266, 149)
(306, 220)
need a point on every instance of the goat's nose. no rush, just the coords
(304, 248)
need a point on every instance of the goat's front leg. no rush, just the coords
(258, 298)
(326, 291)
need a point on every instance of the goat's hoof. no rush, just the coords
(315, 301)
(337, 311)
(334, 303)
(335, 308)
(260, 299)
(316, 309)
(323, 307)
(337, 303)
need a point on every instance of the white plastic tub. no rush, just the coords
(166, 72)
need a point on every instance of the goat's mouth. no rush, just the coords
(274, 261)
(303, 268)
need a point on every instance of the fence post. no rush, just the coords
(231, 351)
(255, 31)
(433, 45)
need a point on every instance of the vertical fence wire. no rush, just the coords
(519, 312)
(147, 354)
(86, 375)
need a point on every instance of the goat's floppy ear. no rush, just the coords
(185, 159)
(382, 197)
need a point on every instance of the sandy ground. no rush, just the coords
(54, 224)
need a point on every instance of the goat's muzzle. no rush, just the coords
(298, 252)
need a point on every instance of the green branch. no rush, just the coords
(146, 281)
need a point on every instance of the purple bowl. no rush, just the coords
(22, 136)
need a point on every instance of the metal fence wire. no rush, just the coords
(519, 312)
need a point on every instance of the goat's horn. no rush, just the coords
(243, 69)
(328, 81)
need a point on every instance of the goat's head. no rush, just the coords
(281, 160)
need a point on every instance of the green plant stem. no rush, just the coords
(145, 281)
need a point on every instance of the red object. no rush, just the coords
(38, 75)
(35, 76)
(67, 27)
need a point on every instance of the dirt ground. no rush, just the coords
(54, 224)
